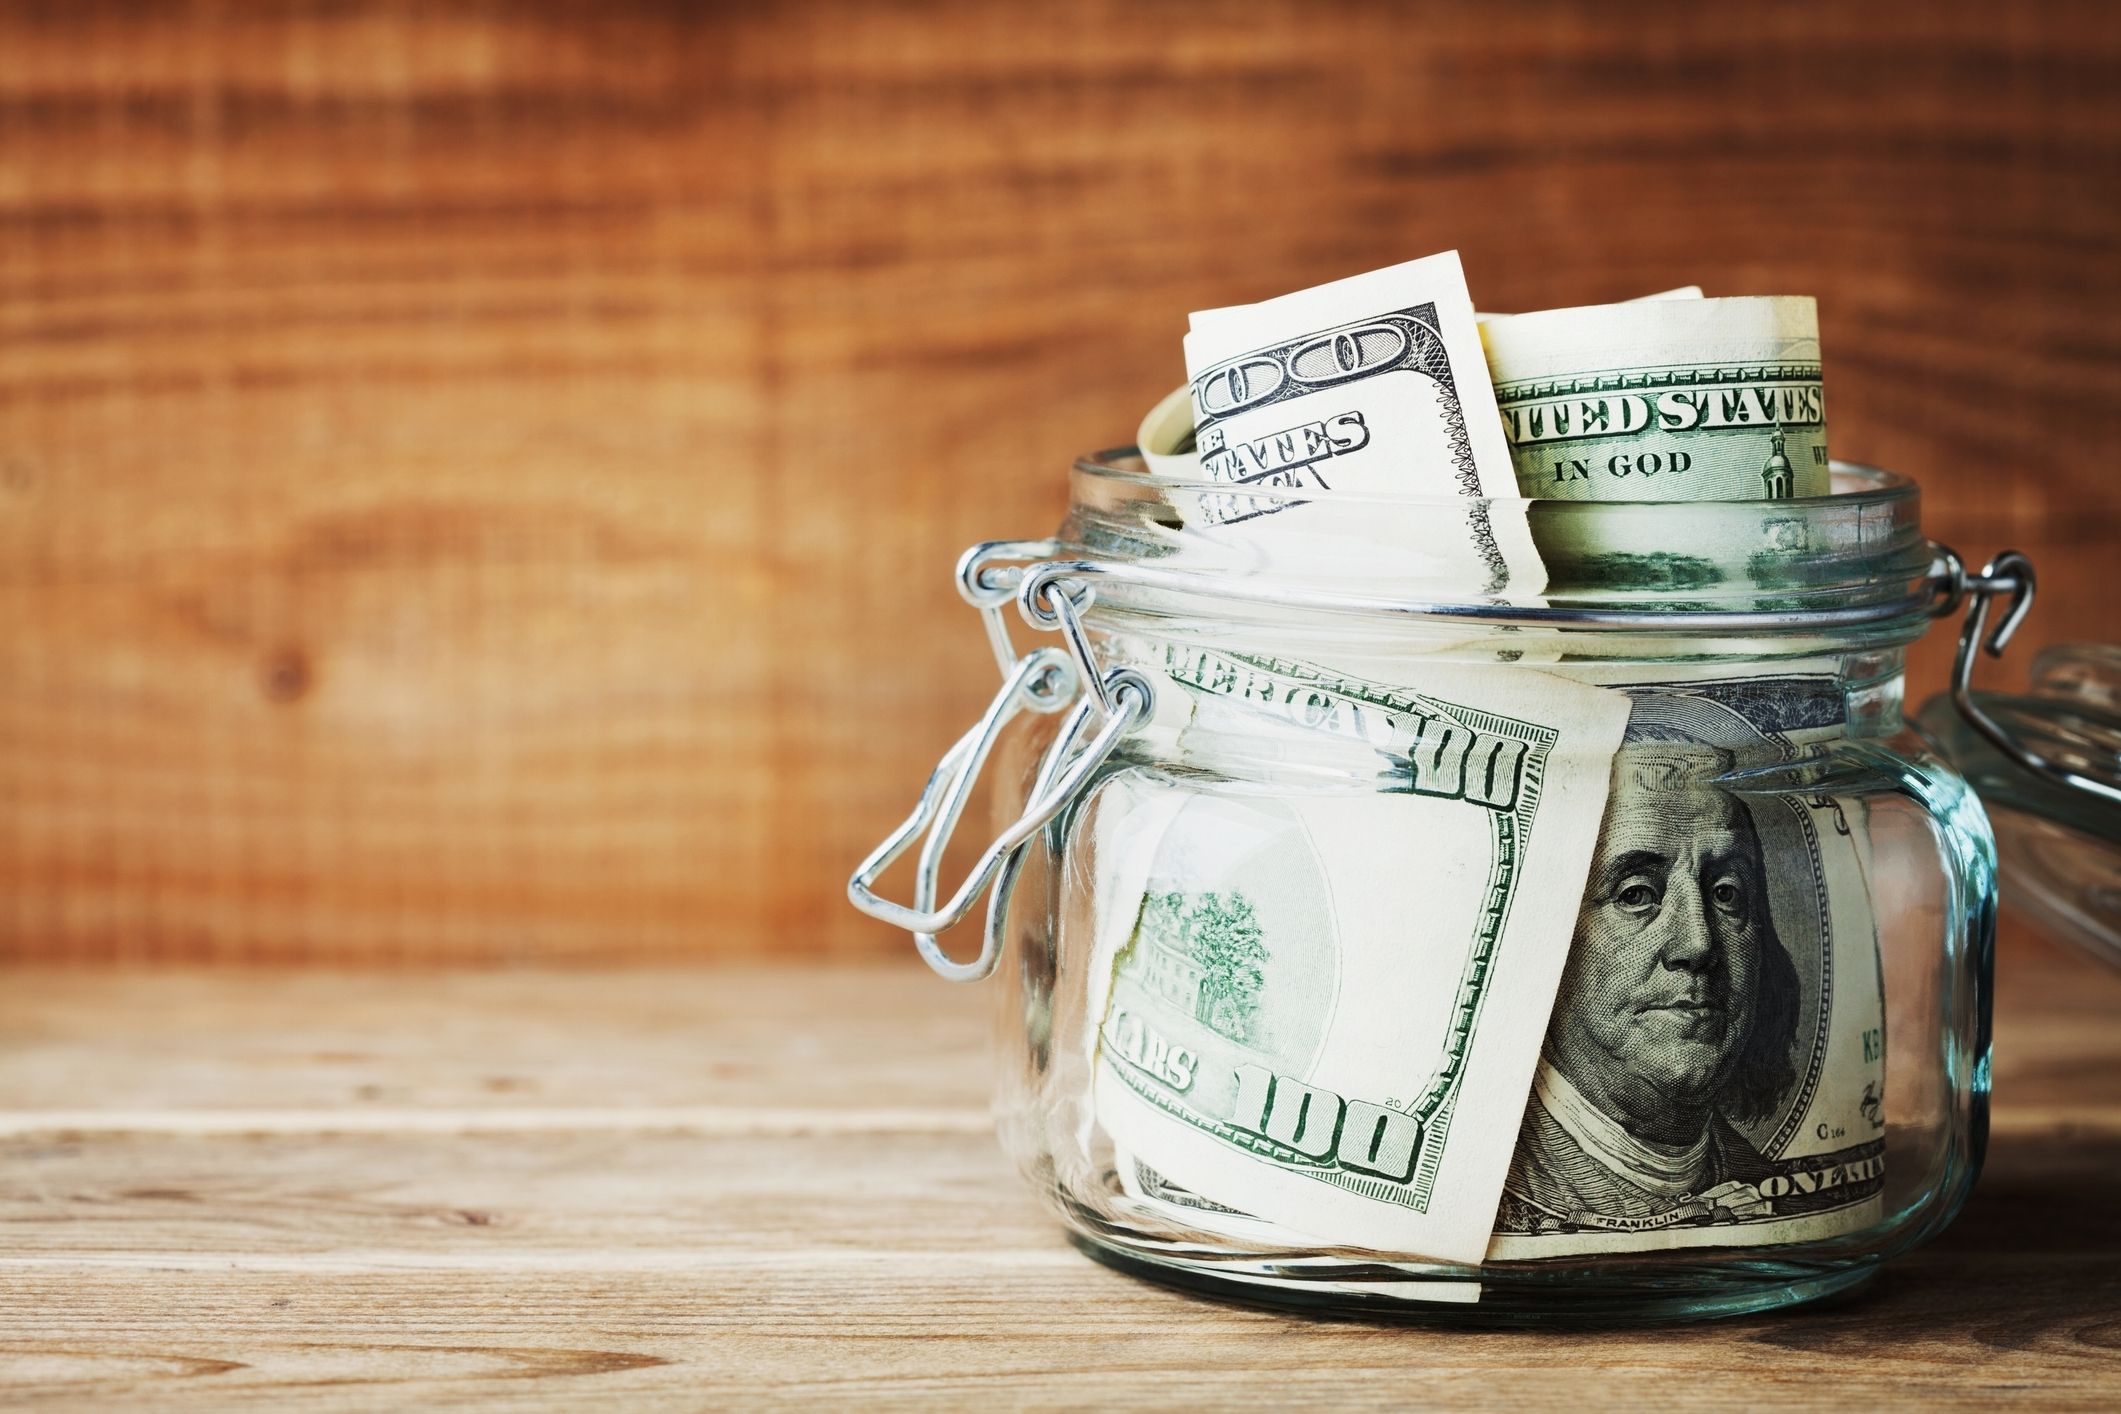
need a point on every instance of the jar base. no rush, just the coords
(1528, 1297)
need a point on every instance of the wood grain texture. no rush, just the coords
(323, 1191)
(478, 481)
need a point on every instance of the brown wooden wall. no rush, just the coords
(480, 481)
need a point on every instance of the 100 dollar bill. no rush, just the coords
(1663, 400)
(1326, 1008)
(1370, 386)
(1714, 1073)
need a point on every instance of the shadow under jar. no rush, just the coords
(1376, 802)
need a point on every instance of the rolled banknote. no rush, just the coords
(1369, 386)
(1324, 1009)
(1683, 292)
(1165, 437)
(1371, 383)
(1488, 550)
(1714, 1071)
(1663, 400)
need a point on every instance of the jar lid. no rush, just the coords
(2060, 842)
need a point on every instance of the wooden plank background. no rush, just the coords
(478, 481)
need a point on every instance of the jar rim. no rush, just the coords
(1856, 486)
(1846, 571)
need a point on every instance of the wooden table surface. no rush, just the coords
(719, 1187)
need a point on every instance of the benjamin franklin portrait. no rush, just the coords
(1679, 1008)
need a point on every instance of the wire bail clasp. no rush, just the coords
(2010, 573)
(1043, 680)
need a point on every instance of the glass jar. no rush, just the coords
(1750, 1065)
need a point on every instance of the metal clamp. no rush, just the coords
(1061, 604)
(1042, 680)
(2010, 573)
(973, 586)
